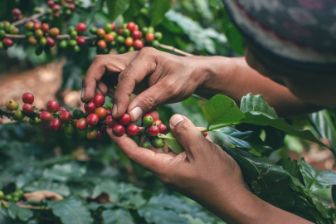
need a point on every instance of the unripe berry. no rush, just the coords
(137, 34)
(109, 37)
(158, 35)
(55, 124)
(2, 195)
(92, 119)
(27, 108)
(63, 44)
(125, 119)
(99, 100)
(126, 33)
(12, 105)
(133, 130)
(39, 33)
(131, 26)
(158, 143)
(32, 40)
(138, 44)
(81, 124)
(147, 145)
(45, 116)
(162, 128)
(101, 112)
(43, 41)
(102, 44)
(50, 42)
(147, 120)
(91, 135)
(81, 40)
(153, 130)
(118, 130)
(54, 32)
(18, 115)
(28, 98)
(7, 42)
(129, 41)
(81, 27)
(100, 32)
(65, 116)
(150, 37)
(53, 106)
(155, 43)
(120, 39)
(29, 25)
(109, 121)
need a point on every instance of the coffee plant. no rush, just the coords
(59, 166)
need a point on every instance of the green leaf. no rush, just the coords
(255, 104)
(71, 211)
(158, 10)
(172, 142)
(64, 172)
(118, 216)
(109, 187)
(117, 7)
(17, 212)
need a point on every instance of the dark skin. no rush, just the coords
(173, 78)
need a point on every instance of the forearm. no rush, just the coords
(235, 78)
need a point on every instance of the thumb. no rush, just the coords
(187, 134)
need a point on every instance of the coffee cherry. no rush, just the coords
(120, 39)
(8, 42)
(54, 32)
(109, 121)
(12, 105)
(43, 41)
(18, 115)
(118, 130)
(45, 27)
(50, 42)
(90, 107)
(28, 98)
(126, 33)
(138, 44)
(81, 40)
(162, 128)
(125, 119)
(16, 13)
(63, 44)
(53, 106)
(72, 43)
(150, 37)
(27, 108)
(65, 116)
(81, 124)
(100, 32)
(153, 130)
(29, 25)
(81, 27)
(92, 119)
(147, 120)
(32, 40)
(158, 143)
(101, 112)
(45, 116)
(99, 100)
(91, 135)
(157, 122)
(2, 195)
(146, 145)
(102, 44)
(131, 26)
(109, 37)
(39, 33)
(55, 124)
(158, 35)
(155, 43)
(133, 130)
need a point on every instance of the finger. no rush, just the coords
(136, 71)
(102, 88)
(187, 134)
(154, 161)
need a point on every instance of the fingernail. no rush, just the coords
(136, 113)
(114, 110)
(174, 120)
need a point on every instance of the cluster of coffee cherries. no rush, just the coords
(62, 7)
(13, 196)
(7, 28)
(92, 121)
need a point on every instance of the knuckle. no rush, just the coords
(147, 51)
(149, 101)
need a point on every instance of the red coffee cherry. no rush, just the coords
(133, 130)
(153, 130)
(150, 37)
(92, 119)
(162, 128)
(109, 37)
(90, 107)
(81, 124)
(102, 44)
(45, 27)
(16, 12)
(129, 41)
(99, 100)
(109, 121)
(118, 130)
(27, 108)
(65, 116)
(131, 26)
(101, 112)
(138, 44)
(137, 34)
(81, 40)
(55, 124)
(53, 106)
(45, 116)
(157, 122)
(125, 119)
(81, 27)
(28, 98)
(50, 42)
(155, 115)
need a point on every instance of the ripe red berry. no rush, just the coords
(81, 27)
(147, 120)
(92, 119)
(65, 116)
(153, 130)
(138, 44)
(102, 44)
(162, 128)
(51, 3)
(81, 124)
(101, 112)
(53, 106)
(109, 121)
(137, 34)
(155, 115)
(118, 130)
(150, 37)
(56, 7)
(7, 42)
(16, 13)
(90, 107)
(99, 100)
(55, 124)
(45, 27)
(125, 119)
(45, 116)
(28, 108)
(131, 26)
(129, 41)
(28, 98)
(133, 130)
(50, 42)
(81, 40)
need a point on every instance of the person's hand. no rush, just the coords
(171, 78)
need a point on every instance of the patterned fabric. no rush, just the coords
(299, 34)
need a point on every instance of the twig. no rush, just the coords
(174, 50)
(5, 113)
(35, 16)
